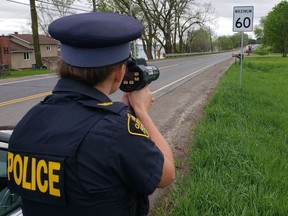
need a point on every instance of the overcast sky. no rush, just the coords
(15, 17)
(224, 12)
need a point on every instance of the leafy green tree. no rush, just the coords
(224, 43)
(259, 30)
(201, 41)
(276, 28)
(103, 5)
(231, 42)
(236, 40)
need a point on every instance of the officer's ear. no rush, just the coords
(120, 72)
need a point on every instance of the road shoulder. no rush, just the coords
(176, 113)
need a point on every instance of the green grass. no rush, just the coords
(238, 160)
(22, 73)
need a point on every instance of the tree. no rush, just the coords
(102, 5)
(174, 18)
(232, 42)
(138, 10)
(193, 16)
(236, 40)
(258, 30)
(224, 43)
(276, 28)
(162, 14)
(51, 10)
(201, 41)
(168, 21)
(189, 39)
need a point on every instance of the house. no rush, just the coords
(17, 51)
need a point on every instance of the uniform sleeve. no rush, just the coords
(136, 159)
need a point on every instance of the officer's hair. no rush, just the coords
(91, 76)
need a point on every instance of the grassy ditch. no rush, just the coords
(238, 159)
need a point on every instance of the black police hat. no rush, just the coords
(95, 39)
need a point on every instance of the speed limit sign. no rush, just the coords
(243, 18)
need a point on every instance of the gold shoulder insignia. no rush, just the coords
(135, 127)
(105, 104)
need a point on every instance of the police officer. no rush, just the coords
(79, 153)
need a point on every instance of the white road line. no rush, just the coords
(176, 81)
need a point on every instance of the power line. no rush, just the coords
(62, 6)
(75, 8)
(29, 5)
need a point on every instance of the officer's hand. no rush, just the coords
(140, 100)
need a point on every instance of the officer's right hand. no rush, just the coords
(140, 100)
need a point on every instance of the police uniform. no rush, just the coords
(77, 152)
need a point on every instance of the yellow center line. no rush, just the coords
(17, 100)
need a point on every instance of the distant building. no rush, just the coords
(5, 57)
(17, 51)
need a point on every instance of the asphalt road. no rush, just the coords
(18, 95)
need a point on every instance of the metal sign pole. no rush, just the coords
(242, 22)
(241, 60)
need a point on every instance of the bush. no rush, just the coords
(263, 50)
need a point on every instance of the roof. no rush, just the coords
(28, 38)
(15, 47)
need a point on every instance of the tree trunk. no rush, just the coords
(147, 48)
(168, 45)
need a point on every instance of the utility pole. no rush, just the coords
(94, 5)
(36, 43)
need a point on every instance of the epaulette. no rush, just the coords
(115, 107)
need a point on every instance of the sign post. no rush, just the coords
(242, 22)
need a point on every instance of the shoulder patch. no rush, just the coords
(135, 127)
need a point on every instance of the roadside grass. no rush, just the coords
(22, 73)
(238, 158)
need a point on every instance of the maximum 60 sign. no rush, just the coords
(243, 18)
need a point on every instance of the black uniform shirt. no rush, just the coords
(111, 168)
